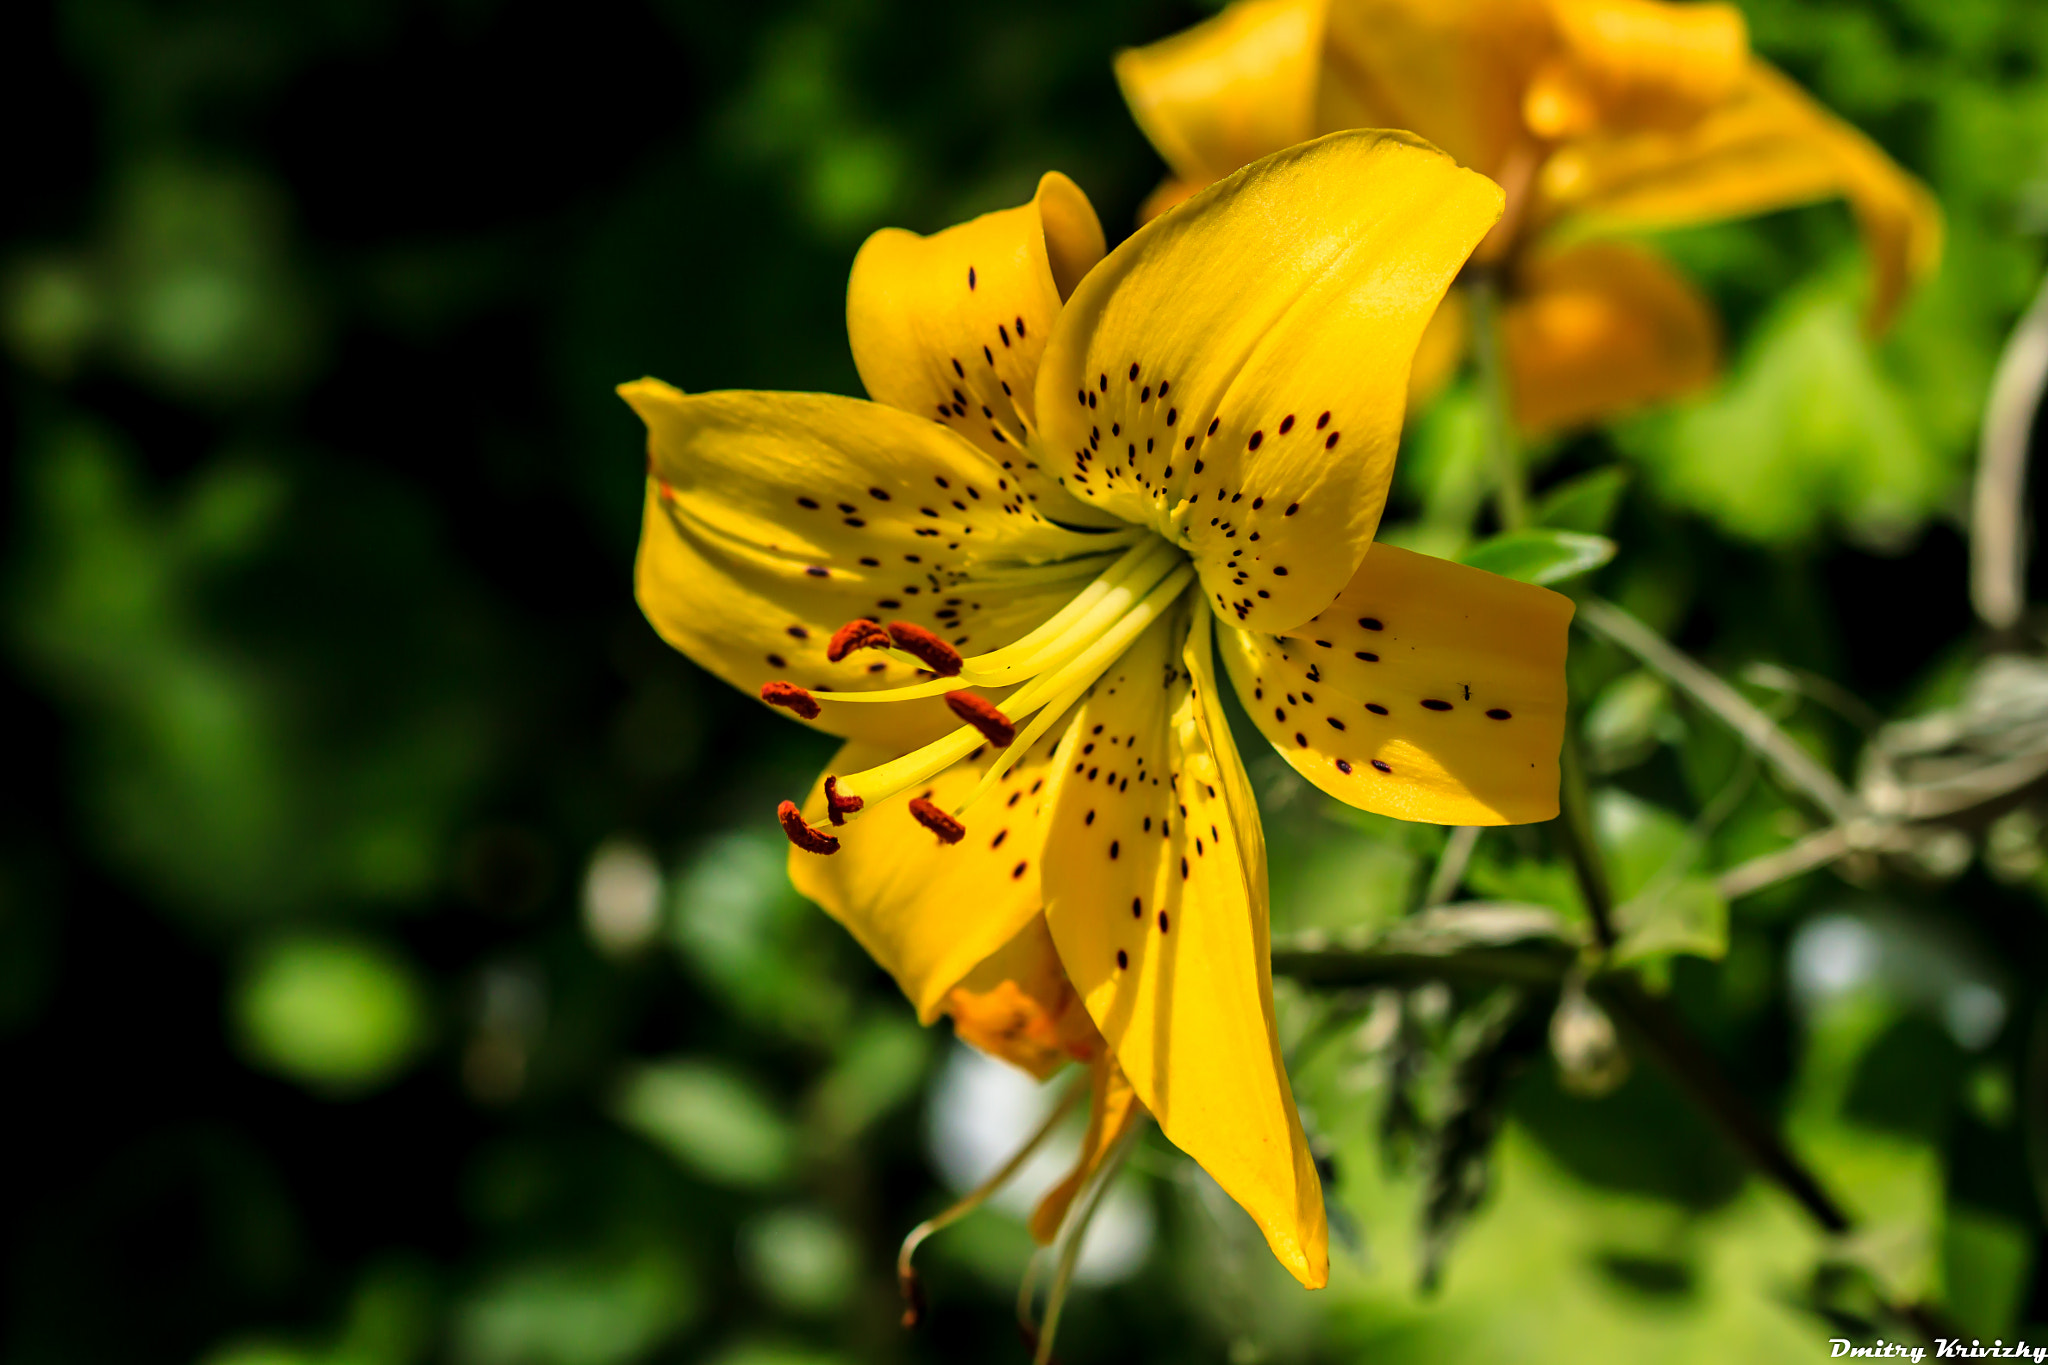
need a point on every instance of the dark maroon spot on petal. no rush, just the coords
(1335, 724)
(807, 502)
(1370, 623)
(1287, 424)
(1137, 906)
(1162, 913)
(970, 277)
(1376, 708)
(1280, 571)
(1257, 438)
(1344, 766)
(1368, 657)
(1432, 704)
(1123, 959)
(817, 572)
(1331, 444)
(1498, 714)
(1292, 508)
(777, 661)
(1213, 424)
(1114, 845)
(1017, 872)
(1381, 766)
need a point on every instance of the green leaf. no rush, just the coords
(336, 1014)
(1809, 429)
(1587, 503)
(1690, 917)
(1541, 556)
(710, 1119)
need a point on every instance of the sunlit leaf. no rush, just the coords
(1541, 556)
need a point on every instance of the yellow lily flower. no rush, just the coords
(1593, 115)
(1003, 582)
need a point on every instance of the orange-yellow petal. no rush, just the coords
(1112, 1108)
(1018, 1005)
(1229, 90)
(1624, 64)
(1441, 350)
(1601, 329)
(1235, 374)
(1769, 146)
(951, 326)
(1428, 691)
(773, 519)
(1452, 71)
(1155, 887)
(930, 913)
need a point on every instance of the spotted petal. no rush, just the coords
(1427, 691)
(773, 519)
(931, 913)
(1018, 1004)
(1156, 896)
(1600, 329)
(1770, 146)
(951, 326)
(1229, 90)
(1235, 373)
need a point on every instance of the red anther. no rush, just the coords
(861, 634)
(949, 830)
(800, 832)
(940, 657)
(837, 806)
(982, 714)
(790, 695)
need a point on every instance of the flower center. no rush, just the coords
(1050, 668)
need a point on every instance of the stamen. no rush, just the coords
(913, 639)
(1075, 1228)
(837, 806)
(801, 833)
(906, 1273)
(949, 830)
(790, 695)
(864, 633)
(982, 714)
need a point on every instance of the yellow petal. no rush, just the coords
(1235, 373)
(931, 913)
(1229, 90)
(951, 326)
(1770, 146)
(1018, 1005)
(773, 519)
(1158, 904)
(1451, 70)
(1112, 1108)
(1441, 350)
(1428, 691)
(1601, 329)
(1635, 64)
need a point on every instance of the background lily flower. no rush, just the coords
(1082, 474)
(1594, 115)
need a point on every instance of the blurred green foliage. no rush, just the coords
(396, 960)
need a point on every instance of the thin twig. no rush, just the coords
(1575, 824)
(1489, 349)
(1815, 850)
(1794, 765)
(1998, 553)
(1451, 865)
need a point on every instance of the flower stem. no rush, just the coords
(1511, 494)
(1575, 829)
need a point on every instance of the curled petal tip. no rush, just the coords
(859, 634)
(801, 833)
(912, 1287)
(983, 715)
(940, 657)
(949, 830)
(787, 694)
(839, 807)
